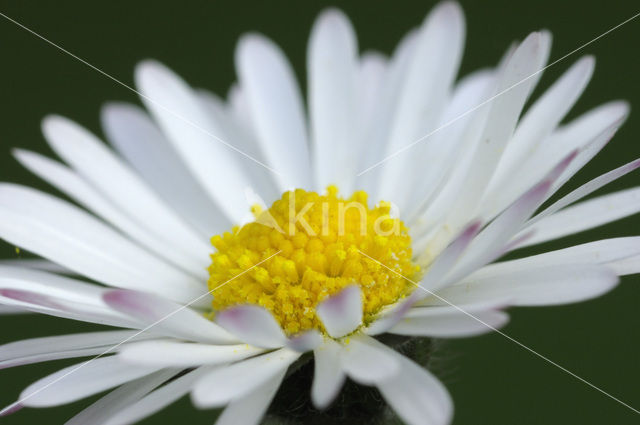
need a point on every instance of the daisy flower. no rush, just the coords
(259, 251)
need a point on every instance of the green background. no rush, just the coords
(492, 380)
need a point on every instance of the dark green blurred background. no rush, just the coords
(492, 380)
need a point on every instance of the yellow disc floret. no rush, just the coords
(321, 245)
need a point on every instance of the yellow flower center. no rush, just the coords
(319, 242)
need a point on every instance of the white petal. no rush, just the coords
(59, 347)
(342, 313)
(390, 316)
(424, 91)
(46, 283)
(5, 309)
(275, 105)
(444, 262)
(167, 317)
(215, 162)
(492, 241)
(56, 355)
(513, 89)
(589, 133)
(44, 304)
(532, 287)
(166, 353)
(106, 172)
(539, 121)
(605, 252)
(450, 145)
(239, 107)
(253, 325)
(545, 114)
(222, 385)
(69, 236)
(574, 135)
(629, 265)
(438, 207)
(139, 140)
(58, 296)
(586, 215)
(11, 409)
(450, 322)
(416, 395)
(263, 180)
(82, 192)
(377, 135)
(464, 121)
(585, 190)
(29, 298)
(249, 409)
(332, 69)
(37, 264)
(367, 361)
(489, 244)
(328, 376)
(81, 380)
(372, 72)
(157, 400)
(121, 397)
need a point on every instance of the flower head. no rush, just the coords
(236, 241)
(323, 244)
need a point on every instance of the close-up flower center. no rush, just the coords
(322, 243)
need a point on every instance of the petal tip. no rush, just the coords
(150, 70)
(450, 10)
(342, 312)
(252, 324)
(12, 408)
(306, 341)
(52, 122)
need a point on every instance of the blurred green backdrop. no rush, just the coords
(492, 380)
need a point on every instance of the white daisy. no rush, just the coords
(228, 324)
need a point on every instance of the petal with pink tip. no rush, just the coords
(342, 313)
(253, 325)
(166, 316)
(305, 341)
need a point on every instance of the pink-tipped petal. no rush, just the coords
(448, 258)
(30, 298)
(164, 316)
(585, 190)
(306, 341)
(253, 325)
(490, 243)
(341, 314)
(11, 409)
